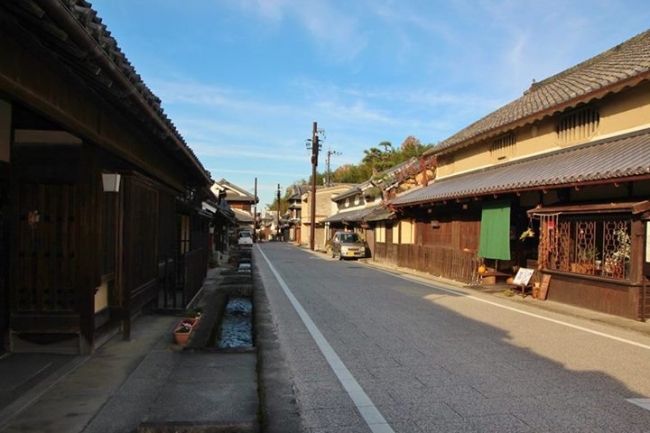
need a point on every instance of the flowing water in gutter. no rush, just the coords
(237, 326)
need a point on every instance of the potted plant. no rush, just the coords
(195, 313)
(585, 260)
(622, 253)
(183, 330)
(537, 281)
(617, 263)
(528, 233)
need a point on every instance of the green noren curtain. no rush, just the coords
(495, 231)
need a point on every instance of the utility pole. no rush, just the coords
(255, 214)
(315, 147)
(277, 235)
(330, 153)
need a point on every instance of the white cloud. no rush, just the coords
(210, 150)
(190, 92)
(335, 31)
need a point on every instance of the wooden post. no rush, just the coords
(312, 199)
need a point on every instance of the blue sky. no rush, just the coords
(244, 80)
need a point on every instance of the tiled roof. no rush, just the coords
(235, 193)
(242, 216)
(228, 214)
(618, 158)
(350, 216)
(379, 214)
(389, 174)
(83, 41)
(297, 190)
(353, 191)
(624, 65)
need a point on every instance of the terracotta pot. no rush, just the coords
(182, 338)
(182, 333)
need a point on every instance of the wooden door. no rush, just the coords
(46, 248)
(44, 270)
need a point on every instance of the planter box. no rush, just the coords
(184, 330)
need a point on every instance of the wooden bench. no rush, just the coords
(495, 274)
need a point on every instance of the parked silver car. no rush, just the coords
(348, 245)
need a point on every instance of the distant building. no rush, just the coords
(240, 201)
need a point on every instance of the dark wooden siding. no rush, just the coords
(616, 297)
(140, 244)
(167, 234)
(109, 224)
(448, 251)
(47, 250)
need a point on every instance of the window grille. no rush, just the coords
(592, 246)
(503, 147)
(548, 241)
(578, 125)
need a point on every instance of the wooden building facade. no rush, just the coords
(80, 258)
(557, 180)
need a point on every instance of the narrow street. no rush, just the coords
(373, 351)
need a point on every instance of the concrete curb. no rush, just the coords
(279, 412)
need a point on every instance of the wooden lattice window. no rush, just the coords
(578, 125)
(595, 245)
(548, 241)
(503, 147)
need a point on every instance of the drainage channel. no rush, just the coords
(236, 330)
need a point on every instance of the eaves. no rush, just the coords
(615, 159)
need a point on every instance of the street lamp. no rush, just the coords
(314, 145)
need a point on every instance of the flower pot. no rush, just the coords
(182, 338)
(183, 330)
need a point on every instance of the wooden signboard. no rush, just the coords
(522, 280)
(523, 276)
(543, 287)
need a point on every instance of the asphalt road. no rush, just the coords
(370, 351)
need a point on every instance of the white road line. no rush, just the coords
(526, 313)
(373, 418)
(643, 402)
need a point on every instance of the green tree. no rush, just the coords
(350, 173)
(372, 156)
(412, 147)
(376, 160)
